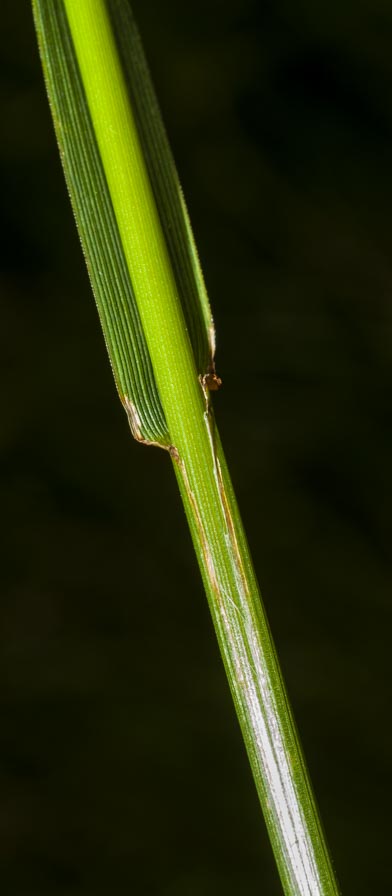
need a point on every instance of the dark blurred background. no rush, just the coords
(122, 767)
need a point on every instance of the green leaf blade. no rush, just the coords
(165, 185)
(96, 220)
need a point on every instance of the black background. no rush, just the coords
(122, 767)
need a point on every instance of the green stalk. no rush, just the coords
(244, 638)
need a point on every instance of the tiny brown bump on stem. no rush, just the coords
(211, 381)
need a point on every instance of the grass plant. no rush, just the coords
(159, 333)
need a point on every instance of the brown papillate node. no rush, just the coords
(211, 381)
